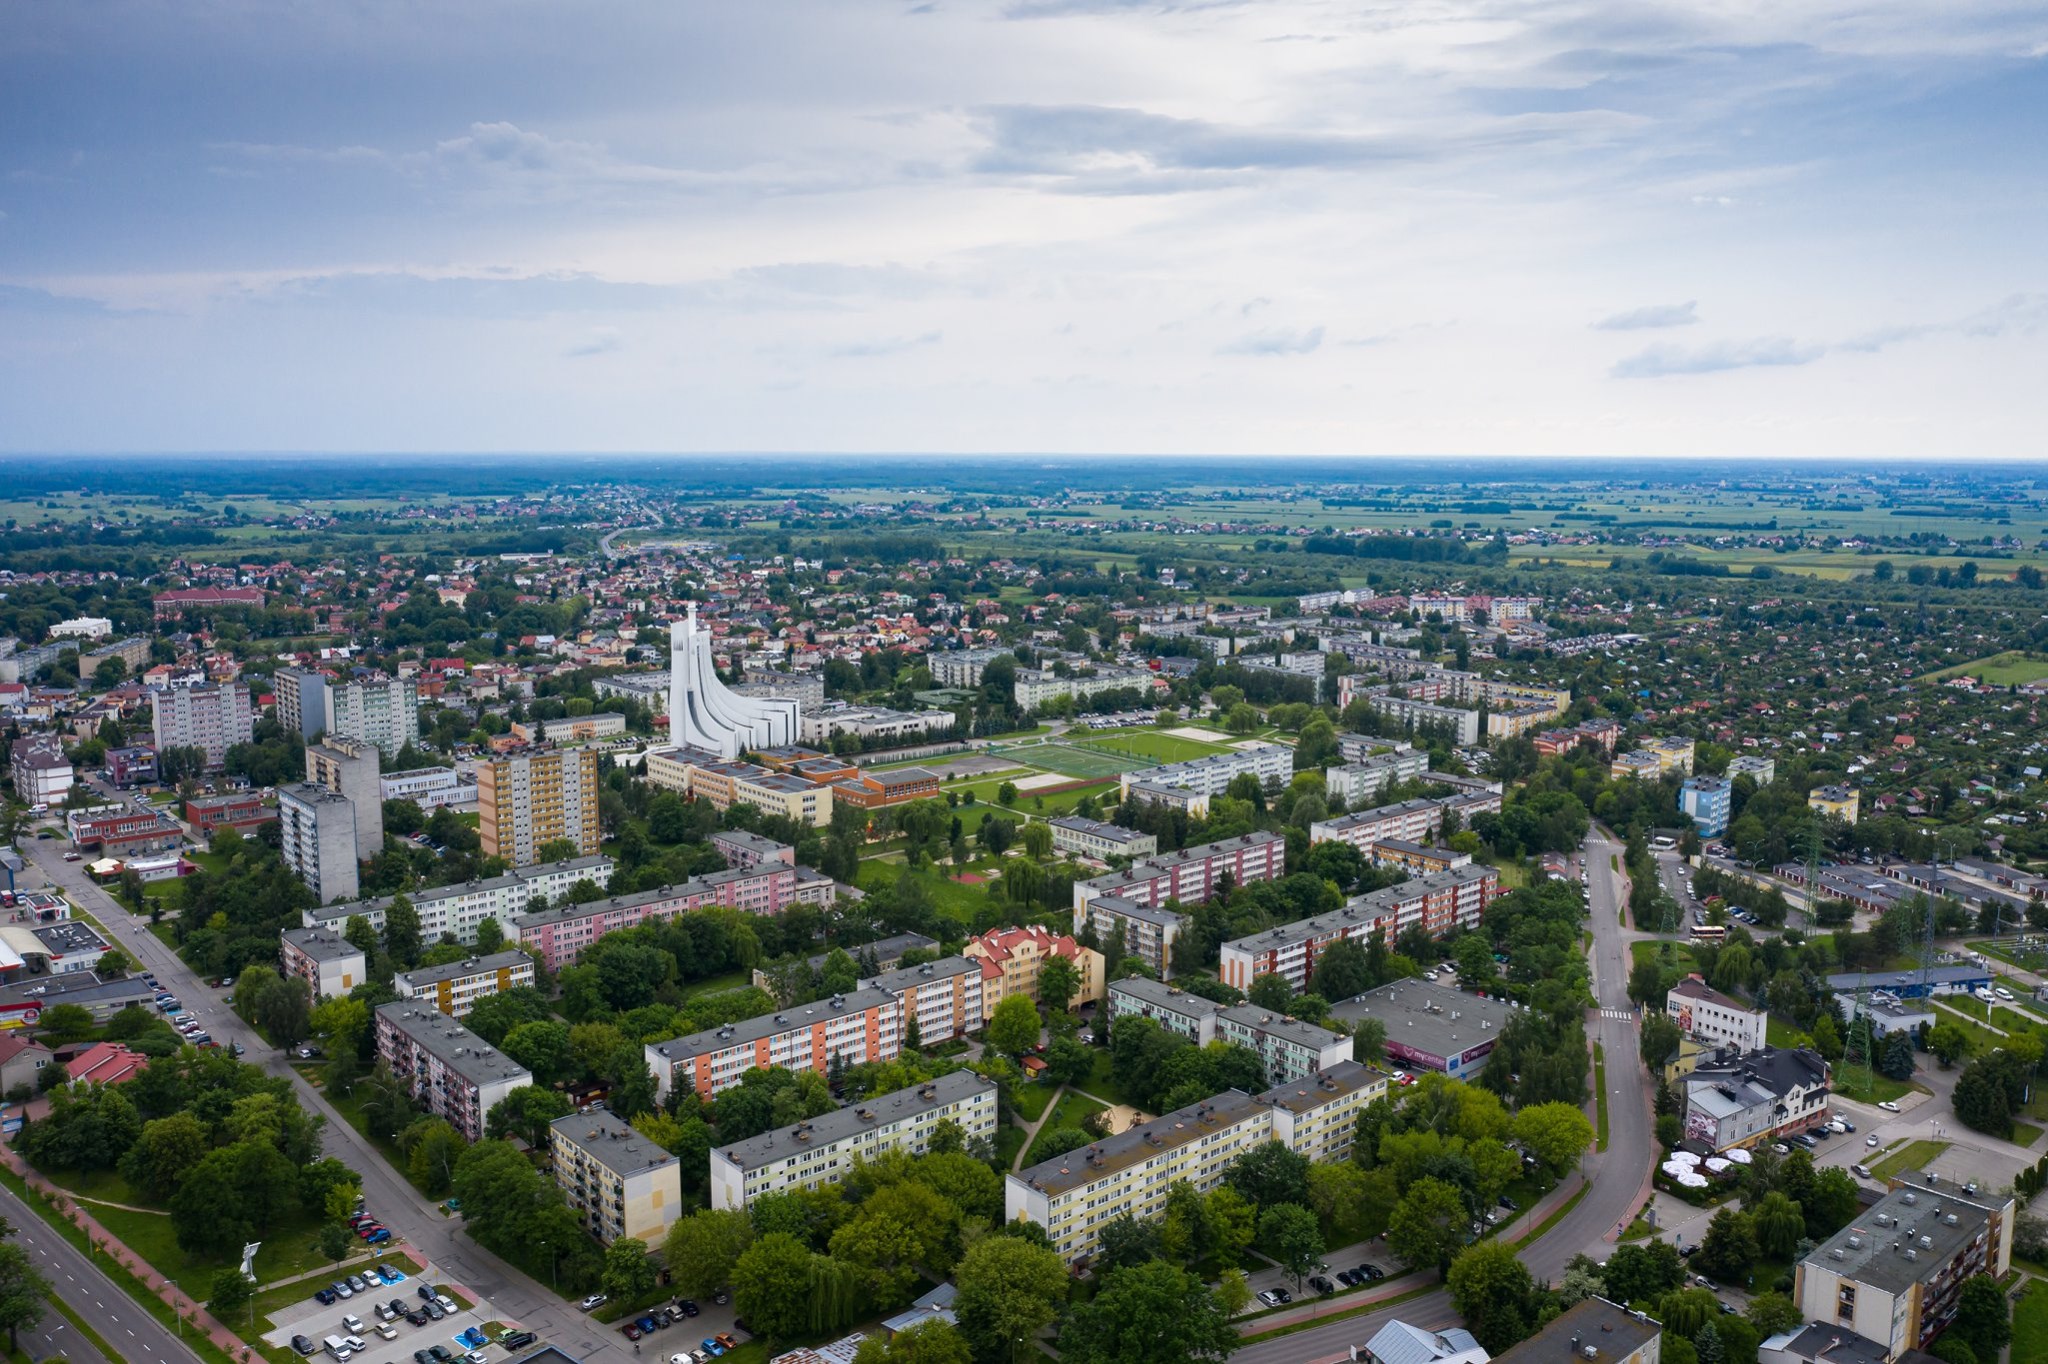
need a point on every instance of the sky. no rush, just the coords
(1620, 228)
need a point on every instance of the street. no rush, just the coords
(431, 1235)
(120, 1321)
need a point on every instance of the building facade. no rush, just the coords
(704, 713)
(455, 988)
(823, 1150)
(1706, 1015)
(348, 767)
(329, 963)
(318, 832)
(866, 1025)
(451, 1071)
(1706, 799)
(1745, 1099)
(459, 910)
(620, 1182)
(1438, 904)
(529, 800)
(209, 716)
(1012, 959)
(1094, 838)
(943, 998)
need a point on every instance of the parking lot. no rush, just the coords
(317, 1322)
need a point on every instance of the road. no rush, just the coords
(437, 1238)
(119, 1319)
(1619, 1176)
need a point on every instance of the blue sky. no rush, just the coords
(1599, 227)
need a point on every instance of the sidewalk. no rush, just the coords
(104, 1243)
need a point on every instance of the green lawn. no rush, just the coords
(1914, 1155)
(1157, 745)
(1102, 1084)
(1779, 1033)
(1881, 1089)
(1600, 1094)
(2008, 669)
(952, 899)
(1031, 1097)
(1068, 1112)
(2030, 1325)
(2025, 1134)
(731, 980)
(288, 1249)
(1009, 1141)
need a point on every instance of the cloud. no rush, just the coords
(1661, 361)
(603, 341)
(887, 345)
(1279, 341)
(1077, 139)
(1654, 315)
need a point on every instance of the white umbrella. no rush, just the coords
(1676, 1168)
(1685, 1157)
(1717, 1165)
(1692, 1181)
(1739, 1156)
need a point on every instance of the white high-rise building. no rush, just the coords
(704, 713)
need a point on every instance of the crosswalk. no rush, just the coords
(1625, 1015)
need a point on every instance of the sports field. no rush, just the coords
(1072, 760)
(1154, 744)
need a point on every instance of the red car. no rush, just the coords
(367, 1229)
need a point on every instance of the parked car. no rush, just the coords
(631, 1330)
(518, 1340)
(326, 1297)
(418, 1316)
(378, 1237)
(473, 1337)
(303, 1345)
(426, 1292)
(352, 1324)
(447, 1303)
(589, 1304)
(1321, 1284)
(1509, 1203)
(342, 1290)
(385, 1311)
(686, 1307)
(648, 1324)
(386, 1331)
(434, 1311)
(398, 1309)
(1870, 1140)
(390, 1275)
(355, 1281)
(712, 1347)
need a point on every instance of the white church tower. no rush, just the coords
(703, 713)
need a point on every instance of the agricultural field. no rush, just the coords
(2009, 669)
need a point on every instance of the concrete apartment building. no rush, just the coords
(451, 1071)
(1415, 821)
(1101, 841)
(1072, 1195)
(1759, 770)
(1431, 1026)
(531, 799)
(1710, 1017)
(455, 988)
(822, 1150)
(1837, 802)
(1130, 901)
(742, 850)
(622, 1183)
(963, 667)
(1895, 1274)
(1034, 687)
(326, 961)
(561, 934)
(866, 1025)
(1272, 764)
(1439, 904)
(942, 997)
(1289, 1048)
(378, 710)
(348, 767)
(318, 831)
(1148, 933)
(210, 716)
(1012, 960)
(1366, 778)
(459, 910)
(1461, 725)
(1706, 800)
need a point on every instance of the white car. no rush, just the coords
(447, 1303)
(386, 1331)
(1888, 1106)
(1870, 1140)
(352, 1324)
(2001, 992)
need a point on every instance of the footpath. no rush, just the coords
(104, 1243)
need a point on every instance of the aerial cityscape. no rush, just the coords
(1023, 682)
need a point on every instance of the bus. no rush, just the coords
(1710, 933)
(1663, 843)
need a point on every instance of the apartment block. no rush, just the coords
(1758, 770)
(42, 774)
(450, 1070)
(822, 1150)
(1438, 904)
(963, 667)
(1034, 687)
(943, 997)
(562, 934)
(455, 988)
(348, 767)
(1461, 725)
(1370, 775)
(1012, 960)
(622, 1183)
(741, 849)
(531, 799)
(1099, 840)
(1593, 1331)
(209, 716)
(326, 961)
(318, 831)
(1895, 1274)
(1192, 874)
(1289, 1048)
(1072, 1195)
(1415, 821)
(459, 910)
(1706, 800)
(1839, 802)
(375, 709)
(1272, 764)
(866, 1025)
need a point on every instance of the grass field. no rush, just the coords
(1072, 760)
(1881, 1089)
(2008, 669)
(1068, 1112)
(288, 1249)
(1914, 1155)
(2030, 1325)
(1156, 745)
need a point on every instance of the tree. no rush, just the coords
(1058, 982)
(1643, 1270)
(771, 1285)
(927, 1342)
(1983, 1319)
(336, 1240)
(432, 1147)
(1125, 1240)
(1428, 1225)
(1291, 1237)
(1491, 1289)
(24, 1292)
(1948, 1042)
(1729, 1247)
(233, 1196)
(402, 932)
(901, 1228)
(232, 1290)
(1341, 970)
(1272, 993)
(1895, 1055)
(1829, 1202)
(167, 1149)
(1013, 1028)
(1154, 1313)
(1557, 1134)
(1268, 1174)
(1009, 1291)
(1780, 1226)
(1658, 1042)
(702, 1249)
(1772, 1312)
(1233, 1221)
(629, 1274)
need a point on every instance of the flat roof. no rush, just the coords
(867, 1115)
(945, 968)
(884, 949)
(321, 944)
(1115, 833)
(447, 1041)
(742, 838)
(457, 970)
(1360, 910)
(1611, 1332)
(751, 1030)
(1159, 995)
(1872, 1248)
(1141, 1142)
(1313, 1091)
(610, 1141)
(67, 936)
(1131, 909)
(1279, 1025)
(1417, 1014)
(76, 987)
